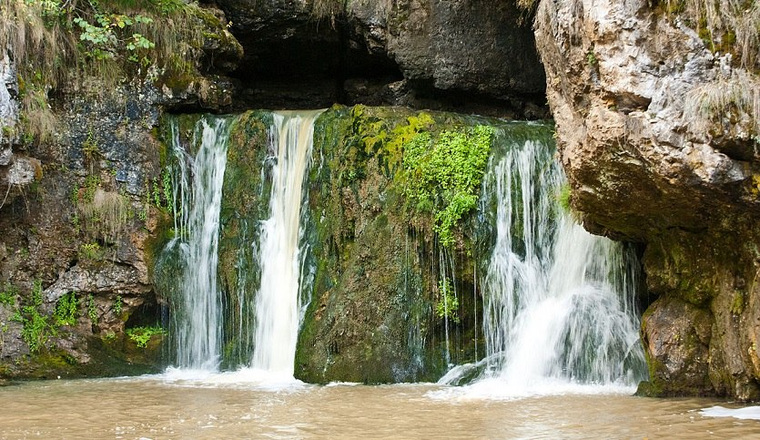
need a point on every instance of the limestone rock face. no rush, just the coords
(467, 45)
(651, 159)
(411, 52)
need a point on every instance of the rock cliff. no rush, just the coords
(657, 128)
(80, 177)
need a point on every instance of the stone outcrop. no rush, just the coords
(653, 158)
(422, 53)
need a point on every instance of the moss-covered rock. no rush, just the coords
(379, 262)
(245, 204)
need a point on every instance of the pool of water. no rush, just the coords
(232, 406)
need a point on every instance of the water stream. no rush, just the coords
(278, 303)
(562, 351)
(199, 315)
(198, 199)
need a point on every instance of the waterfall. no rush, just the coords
(199, 317)
(279, 306)
(198, 198)
(558, 301)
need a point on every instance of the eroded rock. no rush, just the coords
(625, 84)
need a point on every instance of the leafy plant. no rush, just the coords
(92, 310)
(117, 305)
(443, 176)
(90, 251)
(9, 294)
(166, 180)
(141, 335)
(108, 34)
(91, 185)
(35, 325)
(448, 303)
(563, 197)
(66, 310)
(591, 58)
(90, 148)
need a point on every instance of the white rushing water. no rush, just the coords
(558, 301)
(198, 189)
(278, 303)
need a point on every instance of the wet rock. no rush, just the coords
(8, 101)
(676, 336)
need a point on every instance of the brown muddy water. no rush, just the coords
(224, 407)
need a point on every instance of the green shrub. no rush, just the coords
(8, 295)
(90, 251)
(92, 310)
(66, 310)
(141, 335)
(36, 329)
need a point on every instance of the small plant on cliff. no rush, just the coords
(92, 310)
(66, 310)
(35, 325)
(90, 251)
(444, 176)
(373, 136)
(117, 305)
(141, 335)
(563, 197)
(8, 295)
(448, 303)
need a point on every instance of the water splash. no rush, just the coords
(279, 307)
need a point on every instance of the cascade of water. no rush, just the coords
(558, 301)
(198, 197)
(278, 303)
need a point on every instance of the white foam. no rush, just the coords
(498, 389)
(249, 378)
(746, 413)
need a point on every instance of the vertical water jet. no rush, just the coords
(197, 314)
(278, 301)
